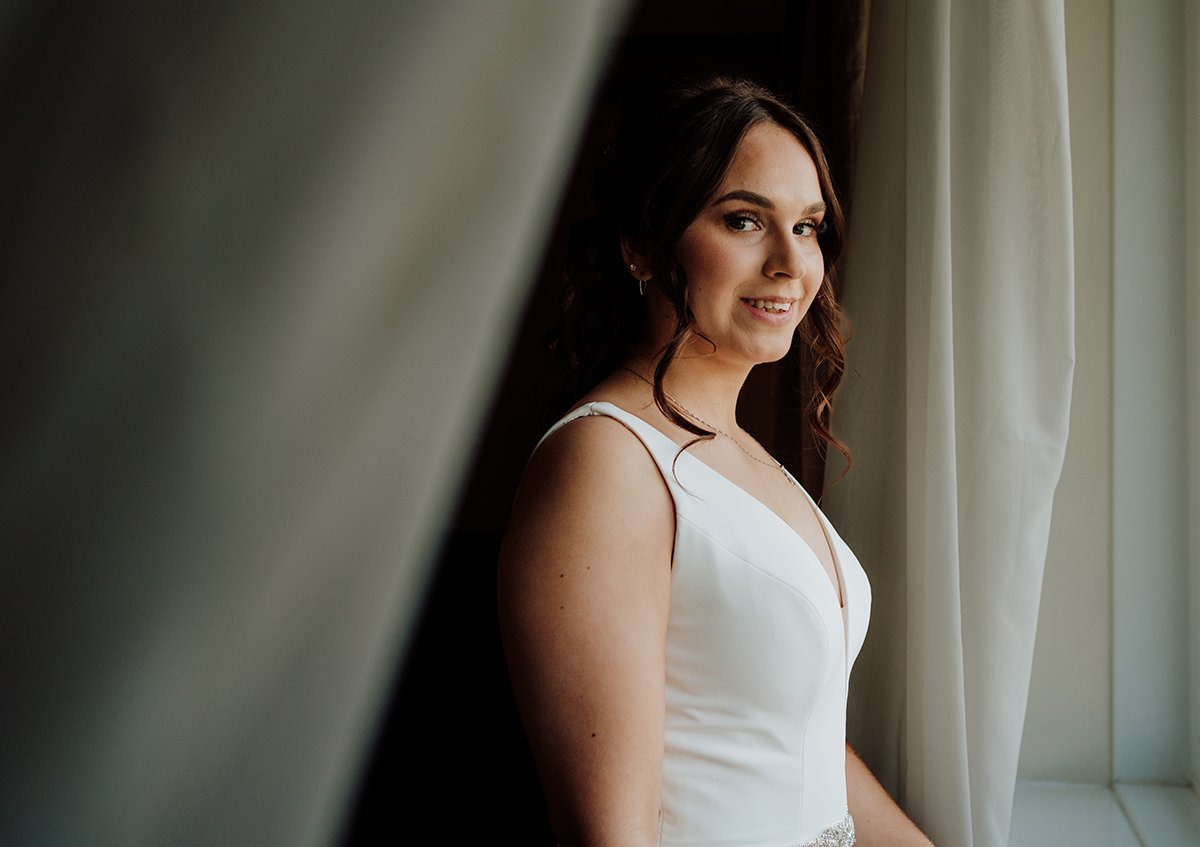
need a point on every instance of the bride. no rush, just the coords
(679, 617)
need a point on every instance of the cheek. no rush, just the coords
(701, 258)
(815, 272)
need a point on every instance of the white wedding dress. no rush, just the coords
(758, 661)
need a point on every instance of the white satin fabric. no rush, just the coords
(960, 291)
(758, 661)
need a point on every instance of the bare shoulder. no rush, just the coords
(598, 454)
(591, 482)
(590, 538)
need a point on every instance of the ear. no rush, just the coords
(636, 262)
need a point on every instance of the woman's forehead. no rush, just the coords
(772, 162)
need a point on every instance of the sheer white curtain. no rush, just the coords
(959, 290)
(261, 265)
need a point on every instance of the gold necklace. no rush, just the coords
(778, 466)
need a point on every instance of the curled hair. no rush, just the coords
(664, 167)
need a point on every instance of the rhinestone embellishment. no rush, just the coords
(838, 835)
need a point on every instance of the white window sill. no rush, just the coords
(1054, 814)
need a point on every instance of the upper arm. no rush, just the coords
(584, 590)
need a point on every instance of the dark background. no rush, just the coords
(451, 761)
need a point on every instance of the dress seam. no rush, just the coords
(792, 588)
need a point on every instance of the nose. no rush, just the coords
(786, 258)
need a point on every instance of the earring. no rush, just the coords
(641, 282)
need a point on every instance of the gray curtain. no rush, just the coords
(260, 262)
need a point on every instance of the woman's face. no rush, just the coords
(751, 257)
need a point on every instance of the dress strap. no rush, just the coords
(659, 445)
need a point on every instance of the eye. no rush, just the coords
(742, 221)
(811, 229)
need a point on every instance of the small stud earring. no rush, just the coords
(633, 268)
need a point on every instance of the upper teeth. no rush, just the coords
(771, 305)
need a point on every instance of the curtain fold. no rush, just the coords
(959, 289)
(261, 265)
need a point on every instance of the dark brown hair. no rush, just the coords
(664, 167)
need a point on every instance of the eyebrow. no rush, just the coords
(764, 202)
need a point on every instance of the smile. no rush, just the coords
(772, 306)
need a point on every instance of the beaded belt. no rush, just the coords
(838, 835)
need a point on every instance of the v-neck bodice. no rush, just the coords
(758, 657)
(835, 579)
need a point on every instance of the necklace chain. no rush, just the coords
(777, 466)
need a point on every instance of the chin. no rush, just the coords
(768, 355)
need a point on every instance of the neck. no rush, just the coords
(701, 385)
